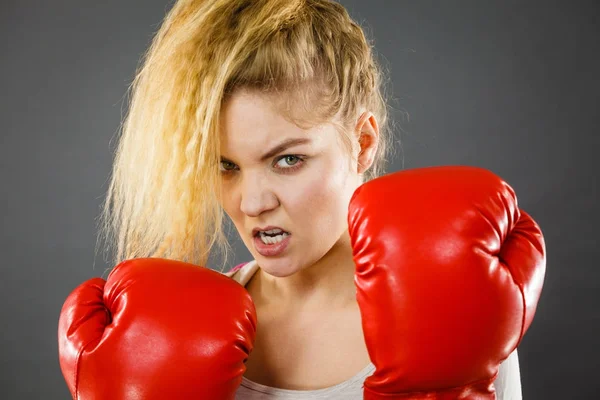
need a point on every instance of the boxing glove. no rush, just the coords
(156, 329)
(449, 271)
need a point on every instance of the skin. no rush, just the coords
(308, 317)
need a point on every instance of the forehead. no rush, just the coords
(249, 111)
(250, 119)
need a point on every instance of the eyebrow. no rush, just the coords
(281, 147)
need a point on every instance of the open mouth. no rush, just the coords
(272, 236)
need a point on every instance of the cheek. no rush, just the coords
(230, 203)
(319, 206)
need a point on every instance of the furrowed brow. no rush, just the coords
(279, 148)
(283, 146)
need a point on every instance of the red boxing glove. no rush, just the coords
(448, 273)
(156, 329)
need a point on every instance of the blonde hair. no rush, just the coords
(163, 195)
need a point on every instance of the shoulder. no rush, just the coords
(242, 273)
(508, 380)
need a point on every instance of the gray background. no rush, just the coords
(510, 86)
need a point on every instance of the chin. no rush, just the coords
(279, 268)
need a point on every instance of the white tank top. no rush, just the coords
(507, 384)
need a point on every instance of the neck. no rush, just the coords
(329, 281)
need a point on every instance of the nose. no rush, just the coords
(257, 195)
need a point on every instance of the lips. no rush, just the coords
(271, 249)
(256, 230)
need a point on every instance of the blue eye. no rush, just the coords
(290, 160)
(289, 163)
(226, 166)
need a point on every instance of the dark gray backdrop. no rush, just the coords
(507, 85)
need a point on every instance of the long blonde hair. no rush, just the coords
(163, 195)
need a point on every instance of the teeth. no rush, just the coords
(272, 239)
(272, 231)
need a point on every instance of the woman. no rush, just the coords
(273, 112)
(290, 210)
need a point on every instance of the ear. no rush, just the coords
(367, 132)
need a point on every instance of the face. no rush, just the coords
(276, 175)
